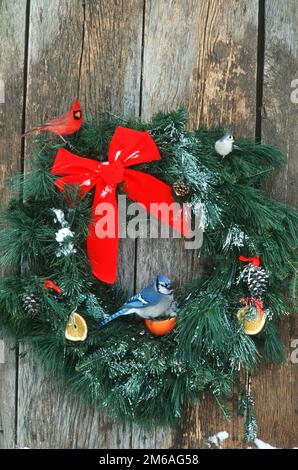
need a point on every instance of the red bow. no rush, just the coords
(128, 147)
(255, 260)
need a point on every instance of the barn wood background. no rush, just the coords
(230, 63)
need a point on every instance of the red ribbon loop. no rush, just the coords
(51, 285)
(255, 260)
(128, 147)
(257, 302)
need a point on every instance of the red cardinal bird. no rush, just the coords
(66, 124)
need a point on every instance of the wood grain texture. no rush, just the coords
(110, 75)
(195, 56)
(12, 40)
(50, 418)
(111, 56)
(275, 387)
(93, 48)
(202, 54)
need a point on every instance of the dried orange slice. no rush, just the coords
(254, 325)
(76, 328)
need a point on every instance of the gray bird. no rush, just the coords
(225, 144)
(152, 302)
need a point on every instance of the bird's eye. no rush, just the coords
(231, 137)
(77, 115)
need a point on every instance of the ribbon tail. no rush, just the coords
(255, 260)
(102, 240)
(156, 197)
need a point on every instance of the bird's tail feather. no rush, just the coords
(124, 311)
(31, 131)
(236, 147)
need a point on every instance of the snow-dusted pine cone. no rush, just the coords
(256, 279)
(30, 303)
(181, 189)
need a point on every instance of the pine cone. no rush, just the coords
(30, 303)
(256, 279)
(181, 189)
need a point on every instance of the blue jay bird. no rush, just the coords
(152, 302)
(225, 144)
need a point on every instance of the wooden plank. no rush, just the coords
(12, 39)
(203, 55)
(110, 79)
(8, 395)
(94, 48)
(275, 388)
(49, 417)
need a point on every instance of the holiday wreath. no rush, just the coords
(54, 296)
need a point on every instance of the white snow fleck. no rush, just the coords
(263, 445)
(65, 247)
(60, 217)
(117, 155)
(66, 250)
(108, 189)
(133, 155)
(218, 438)
(235, 237)
(63, 233)
(86, 183)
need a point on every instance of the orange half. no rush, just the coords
(160, 327)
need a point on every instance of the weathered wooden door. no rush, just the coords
(231, 63)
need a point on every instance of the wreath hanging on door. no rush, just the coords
(59, 294)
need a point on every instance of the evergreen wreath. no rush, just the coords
(129, 374)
